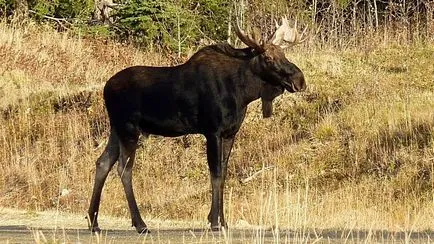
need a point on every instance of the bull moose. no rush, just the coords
(207, 95)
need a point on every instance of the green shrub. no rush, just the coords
(170, 23)
(6, 7)
(212, 17)
(150, 22)
(77, 9)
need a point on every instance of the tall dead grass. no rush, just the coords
(355, 151)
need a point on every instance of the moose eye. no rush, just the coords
(280, 70)
(268, 60)
(283, 72)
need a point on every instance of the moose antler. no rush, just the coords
(286, 36)
(251, 42)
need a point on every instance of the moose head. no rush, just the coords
(271, 64)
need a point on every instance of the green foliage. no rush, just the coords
(6, 7)
(80, 9)
(44, 7)
(212, 16)
(151, 22)
(94, 31)
(169, 23)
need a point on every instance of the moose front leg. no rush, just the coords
(218, 151)
(214, 156)
(227, 144)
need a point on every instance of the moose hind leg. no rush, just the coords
(103, 166)
(126, 161)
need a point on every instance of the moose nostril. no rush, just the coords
(301, 84)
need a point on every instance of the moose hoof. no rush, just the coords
(95, 229)
(143, 230)
(218, 227)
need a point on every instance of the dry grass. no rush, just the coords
(355, 151)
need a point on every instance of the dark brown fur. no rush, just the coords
(207, 95)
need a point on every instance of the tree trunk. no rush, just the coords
(376, 14)
(354, 16)
(370, 22)
(102, 10)
(429, 19)
(314, 3)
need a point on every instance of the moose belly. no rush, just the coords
(170, 127)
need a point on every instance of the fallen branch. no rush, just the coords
(60, 21)
(254, 175)
(113, 5)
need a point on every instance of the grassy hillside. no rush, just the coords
(354, 151)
